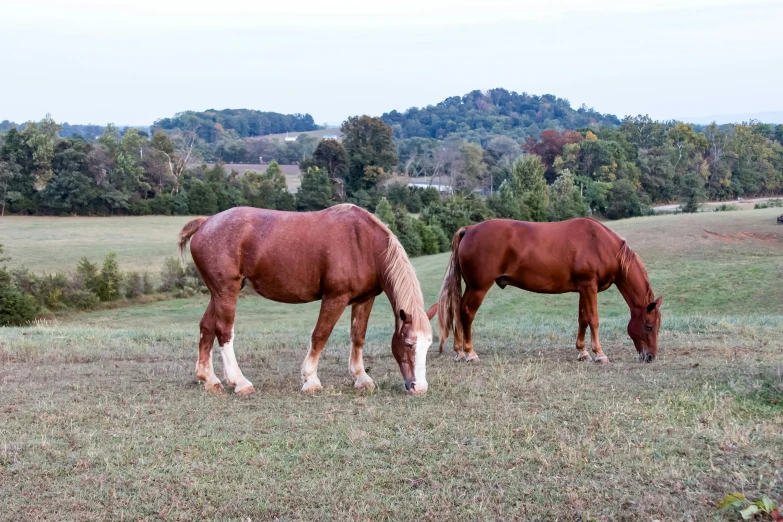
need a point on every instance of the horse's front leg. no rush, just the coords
(331, 310)
(360, 314)
(591, 307)
(580, 336)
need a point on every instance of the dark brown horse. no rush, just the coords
(578, 255)
(341, 256)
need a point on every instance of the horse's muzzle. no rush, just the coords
(412, 387)
(646, 357)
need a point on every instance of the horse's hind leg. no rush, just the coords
(204, 370)
(225, 309)
(331, 310)
(471, 302)
(580, 336)
(360, 314)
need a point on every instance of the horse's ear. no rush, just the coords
(655, 304)
(406, 318)
(432, 311)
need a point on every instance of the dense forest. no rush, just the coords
(496, 164)
(210, 125)
(478, 116)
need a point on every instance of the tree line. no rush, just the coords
(613, 171)
(244, 123)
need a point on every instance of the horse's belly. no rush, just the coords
(283, 293)
(539, 284)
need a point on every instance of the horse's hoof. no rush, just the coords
(472, 358)
(365, 386)
(312, 386)
(602, 359)
(584, 357)
(216, 388)
(247, 390)
(459, 356)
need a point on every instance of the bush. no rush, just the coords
(87, 276)
(624, 202)
(83, 300)
(444, 242)
(408, 233)
(429, 241)
(137, 284)
(725, 207)
(770, 203)
(173, 275)
(110, 286)
(16, 308)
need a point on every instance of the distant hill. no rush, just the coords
(775, 117)
(247, 123)
(88, 132)
(481, 115)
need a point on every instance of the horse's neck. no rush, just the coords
(635, 287)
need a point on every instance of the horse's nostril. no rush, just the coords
(408, 385)
(650, 358)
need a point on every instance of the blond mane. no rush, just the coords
(401, 278)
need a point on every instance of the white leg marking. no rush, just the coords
(310, 381)
(233, 374)
(420, 365)
(206, 372)
(356, 366)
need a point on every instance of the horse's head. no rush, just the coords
(643, 329)
(412, 338)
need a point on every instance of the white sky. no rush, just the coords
(131, 62)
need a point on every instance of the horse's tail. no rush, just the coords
(449, 317)
(187, 232)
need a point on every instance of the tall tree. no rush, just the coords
(42, 137)
(315, 192)
(369, 142)
(9, 172)
(530, 186)
(331, 157)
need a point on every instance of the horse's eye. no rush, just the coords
(648, 328)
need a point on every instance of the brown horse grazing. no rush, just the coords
(579, 255)
(341, 256)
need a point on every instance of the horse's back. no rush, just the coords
(540, 257)
(288, 256)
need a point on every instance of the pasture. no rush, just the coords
(101, 416)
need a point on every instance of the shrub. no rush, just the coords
(770, 203)
(429, 241)
(16, 308)
(134, 285)
(408, 233)
(87, 276)
(83, 300)
(173, 275)
(444, 242)
(110, 287)
(725, 207)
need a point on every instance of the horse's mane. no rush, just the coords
(626, 256)
(399, 275)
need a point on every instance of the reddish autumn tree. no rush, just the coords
(551, 146)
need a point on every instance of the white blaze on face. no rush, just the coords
(420, 362)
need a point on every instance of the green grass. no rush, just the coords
(101, 416)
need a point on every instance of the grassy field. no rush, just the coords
(101, 416)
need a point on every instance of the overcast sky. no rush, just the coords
(133, 61)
